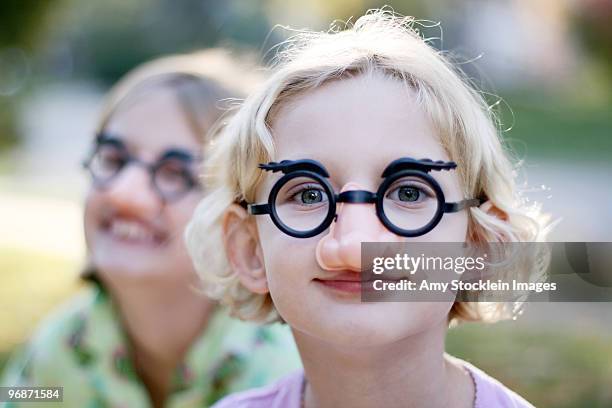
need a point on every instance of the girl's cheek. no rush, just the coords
(288, 260)
(452, 228)
(90, 215)
(179, 213)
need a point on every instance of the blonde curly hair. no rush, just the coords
(383, 42)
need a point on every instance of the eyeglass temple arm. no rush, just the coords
(258, 209)
(458, 206)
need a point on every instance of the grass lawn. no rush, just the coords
(546, 128)
(550, 368)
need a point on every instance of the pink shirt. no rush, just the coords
(286, 393)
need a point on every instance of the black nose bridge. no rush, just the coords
(356, 197)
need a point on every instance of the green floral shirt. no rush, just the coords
(83, 348)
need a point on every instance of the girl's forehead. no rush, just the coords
(356, 126)
(151, 123)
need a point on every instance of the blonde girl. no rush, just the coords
(341, 109)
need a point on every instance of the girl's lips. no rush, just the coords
(351, 282)
(343, 286)
(348, 282)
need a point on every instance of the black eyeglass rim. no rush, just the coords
(359, 196)
(293, 232)
(152, 168)
(394, 228)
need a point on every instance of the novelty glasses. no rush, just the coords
(409, 202)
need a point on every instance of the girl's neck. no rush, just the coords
(162, 322)
(413, 372)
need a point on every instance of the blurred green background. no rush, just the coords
(546, 66)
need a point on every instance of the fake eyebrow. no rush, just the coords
(408, 163)
(289, 166)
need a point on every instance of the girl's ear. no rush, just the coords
(241, 242)
(491, 209)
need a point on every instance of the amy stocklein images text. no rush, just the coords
(459, 285)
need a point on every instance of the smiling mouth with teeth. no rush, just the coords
(132, 231)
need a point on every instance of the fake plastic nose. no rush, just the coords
(340, 249)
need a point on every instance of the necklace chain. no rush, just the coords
(303, 393)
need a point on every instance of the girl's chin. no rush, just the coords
(378, 323)
(360, 339)
(370, 329)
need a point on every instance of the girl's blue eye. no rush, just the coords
(311, 196)
(302, 193)
(408, 194)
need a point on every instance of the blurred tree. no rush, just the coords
(106, 39)
(593, 19)
(20, 23)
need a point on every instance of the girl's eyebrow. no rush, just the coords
(170, 153)
(117, 141)
(408, 163)
(108, 138)
(178, 153)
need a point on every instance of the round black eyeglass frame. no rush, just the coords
(151, 168)
(400, 168)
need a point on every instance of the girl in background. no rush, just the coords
(143, 334)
